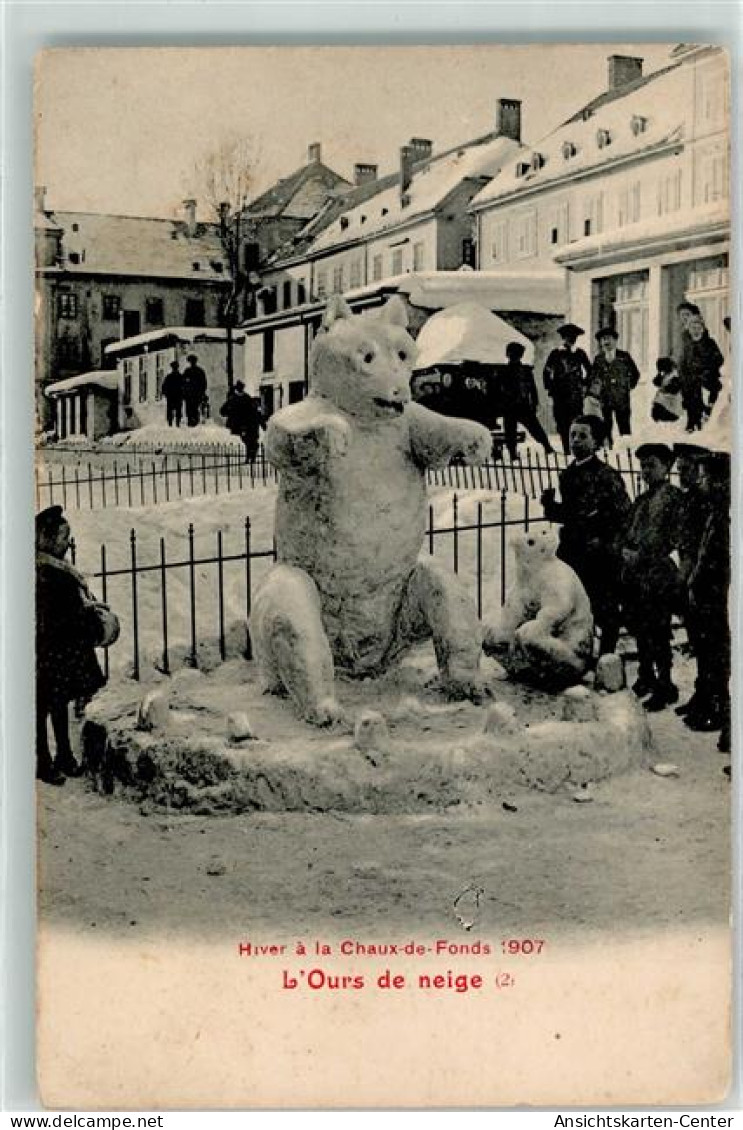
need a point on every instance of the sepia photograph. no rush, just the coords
(383, 443)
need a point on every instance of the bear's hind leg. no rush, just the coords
(437, 606)
(551, 663)
(291, 646)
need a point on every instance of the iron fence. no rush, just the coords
(169, 477)
(173, 604)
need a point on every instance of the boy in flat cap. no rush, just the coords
(66, 664)
(650, 577)
(592, 512)
(708, 584)
(617, 375)
(565, 378)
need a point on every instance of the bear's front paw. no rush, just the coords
(335, 435)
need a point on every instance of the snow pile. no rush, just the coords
(203, 436)
(467, 332)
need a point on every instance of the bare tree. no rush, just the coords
(223, 179)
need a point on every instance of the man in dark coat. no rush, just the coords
(592, 511)
(616, 375)
(243, 418)
(66, 666)
(708, 585)
(650, 577)
(519, 399)
(173, 393)
(194, 390)
(693, 515)
(565, 377)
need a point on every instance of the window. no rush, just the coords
(569, 149)
(558, 224)
(714, 177)
(338, 279)
(159, 375)
(268, 350)
(603, 138)
(377, 268)
(355, 279)
(69, 351)
(397, 262)
(287, 294)
(153, 311)
(142, 367)
(499, 247)
(593, 214)
(127, 393)
(194, 312)
(296, 391)
(111, 307)
(419, 256)
(638, 124)
(629, 205)
(107, 361)
(587, 226)
(669, 192)
(322, 283)
(196, 266)
(74, 256)
(468, 253)
(524, 235)
(301, 292)
(67, 305)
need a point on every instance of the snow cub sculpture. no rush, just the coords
(349, 591)
(544, 635)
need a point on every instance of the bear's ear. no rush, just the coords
(395, 312)
(336, 308)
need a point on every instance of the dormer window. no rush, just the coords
(405, 200)
(538, 161)
(587, 113)
(568, 150)
(362, 219)
(638, 124)
(522, 168)
(344, 222)
(385, 211)
(196, 266)
(603, 138)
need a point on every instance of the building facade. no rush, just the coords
(630, 197)
(101, 278)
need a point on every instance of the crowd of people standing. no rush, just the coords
(641, 562)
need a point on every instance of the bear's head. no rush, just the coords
(363, 364)
(533, 547)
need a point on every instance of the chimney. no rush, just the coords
(363, 174)
(40, 197)
(422, 148)
(313, 152)
(508, 118)
(406, 168)
(621, 70)
(189, 215)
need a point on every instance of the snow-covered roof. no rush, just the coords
(537, 292)
(677, 225)
(467, 332)
(96, 243)
(639, 117)
(188, 335)
(431, 183)
(98, 378)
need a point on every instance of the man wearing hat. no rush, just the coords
(519, 400)
(616, 375)
(708, 585)
(650, 577)
(194, 389)
(565, 377)
(172, 390)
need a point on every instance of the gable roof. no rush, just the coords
(298, 196)
(432, 182)
(655, 105)
(139, 246)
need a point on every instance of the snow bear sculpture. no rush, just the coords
(349, 591)
(544, 635)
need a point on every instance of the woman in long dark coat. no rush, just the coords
(67, 630)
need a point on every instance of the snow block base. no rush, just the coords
(437, 754)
